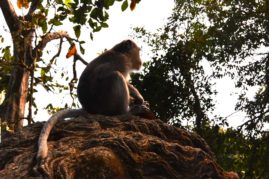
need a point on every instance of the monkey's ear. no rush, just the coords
(129, 44)
(124, 46)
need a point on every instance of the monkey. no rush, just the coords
(103, 88)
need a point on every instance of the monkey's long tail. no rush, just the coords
(42, 141)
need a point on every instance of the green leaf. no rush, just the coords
(6, 53)
(97, 29)
(55, 22)
(124, 5)
(68, 3)
(92, 24)
(43, 72)
(94, 13)
(44, 27)
(77, 30)
(43, 24)
(1, 39)
(91, 36)
(59, 1)
(109, 3)
(82, 50)
(104, 25)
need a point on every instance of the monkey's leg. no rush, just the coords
(139, 107)
(135, 94)
(112, 94)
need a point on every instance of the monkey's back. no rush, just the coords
(101, 88)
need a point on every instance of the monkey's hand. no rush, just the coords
(142, 111)
(135, 96)
(136, 100)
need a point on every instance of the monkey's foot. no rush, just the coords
(142, 111)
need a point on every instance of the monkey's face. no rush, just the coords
(135, 57)
(132, 51)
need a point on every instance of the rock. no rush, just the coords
(96, 146)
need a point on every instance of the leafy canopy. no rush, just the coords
(204, 41)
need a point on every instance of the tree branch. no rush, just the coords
(78, 57)
(53, 36)
(10, 15)
(57, 54)
(49, 37)
(8, 64)
(32, 8)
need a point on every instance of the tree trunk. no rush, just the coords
(16, 97)
(196, 106)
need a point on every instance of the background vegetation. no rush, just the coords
(207, 40)
(203, 41)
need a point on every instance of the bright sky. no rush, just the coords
(148, 14)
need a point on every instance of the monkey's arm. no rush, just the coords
(138, 98)
(44, 134)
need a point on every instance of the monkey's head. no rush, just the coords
(131, 50)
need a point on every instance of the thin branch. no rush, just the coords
(8, 64)
(30, 95)
(32, 8)
(10, 15)
(73, 80)
(231, 114)
(49, 37)
(239, 128)
(265, 53)
(53, 36)
(78, 57)
(57, 54)
(254, 120)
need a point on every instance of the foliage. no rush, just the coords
(40, 23)
(170, 82)
(234, 151)
(203, 41)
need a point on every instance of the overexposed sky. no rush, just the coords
(148, 13)
(151, 14)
